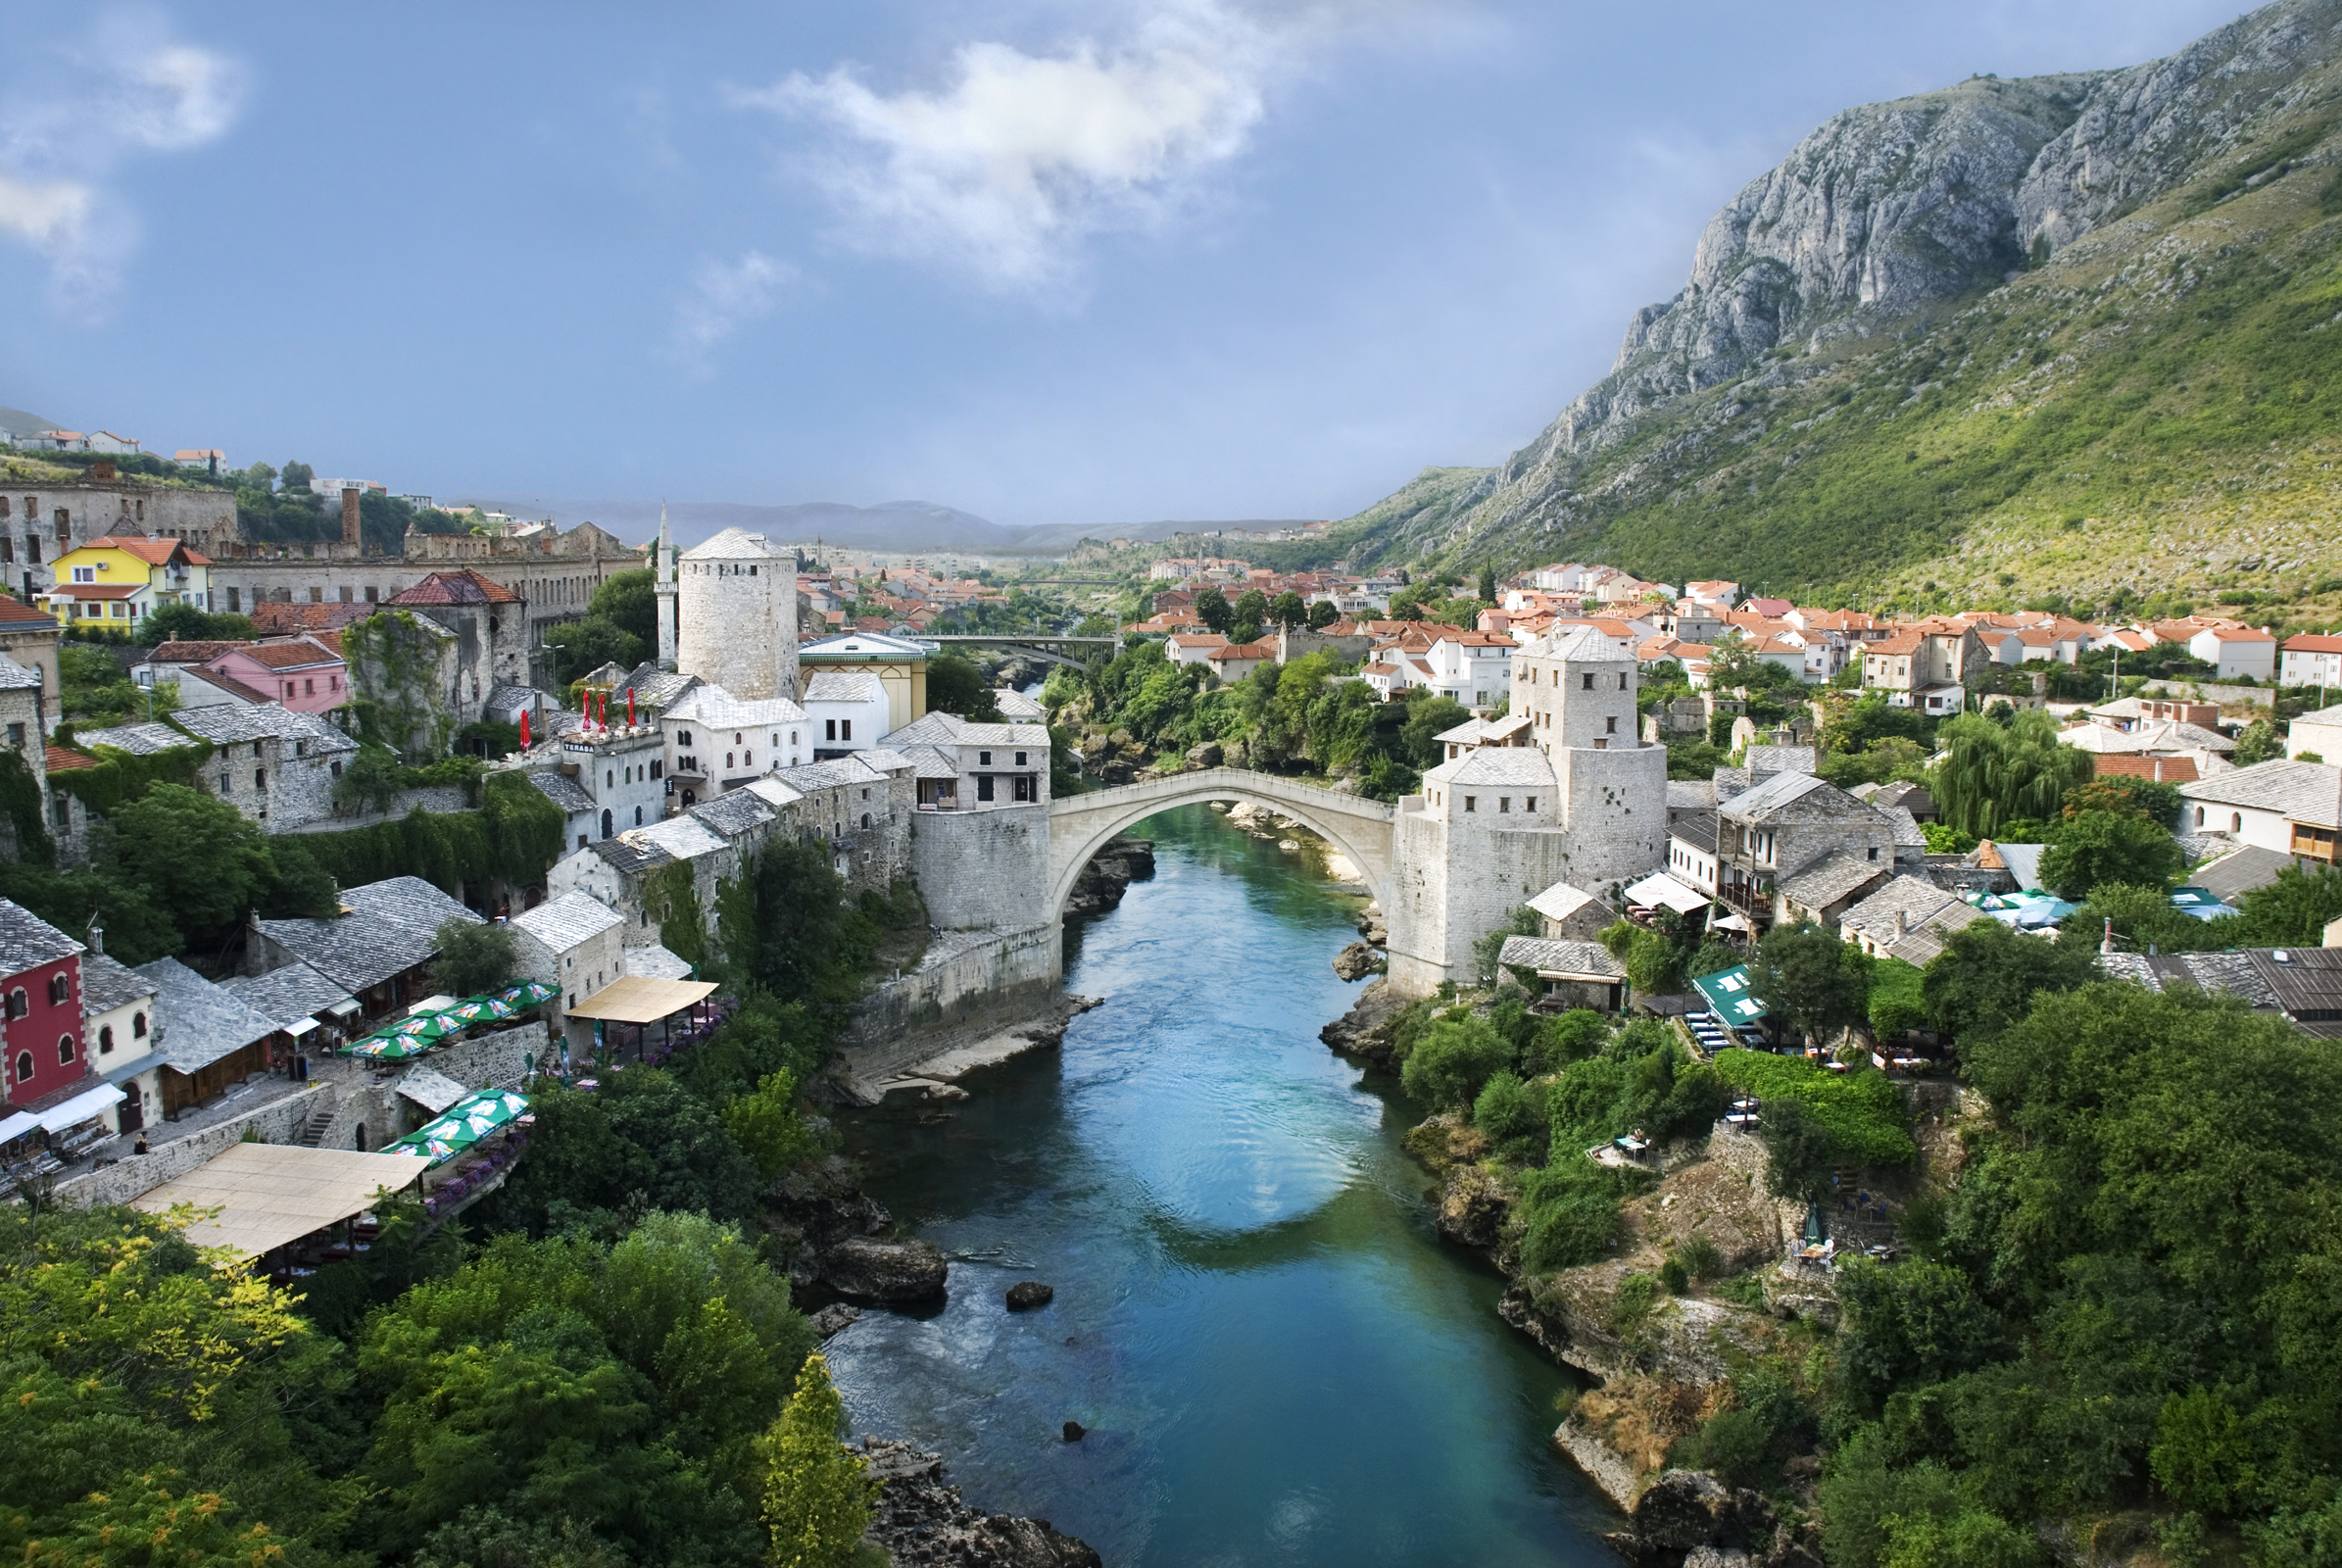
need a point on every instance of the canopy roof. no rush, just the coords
(1729, 994)
(272, 1194)
(637, 998)
(465, 1123)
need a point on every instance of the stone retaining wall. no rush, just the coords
(1001, 979)
(280, 1122)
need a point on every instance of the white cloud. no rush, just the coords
(1001, 171)
(131, 89)
(724, 297)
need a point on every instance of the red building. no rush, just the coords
(40, 1008)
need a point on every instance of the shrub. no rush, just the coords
(2109, 846)
(1863, 1111)
(1453, 1060)
(1570, 1036)
(1511, 1112)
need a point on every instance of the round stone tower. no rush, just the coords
(737, 616)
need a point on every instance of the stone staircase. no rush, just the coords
(312, 1131)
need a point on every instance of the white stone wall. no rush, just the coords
(984, 870)
(739, 632)
(620, 776)
(999, 979)
(1576, 703)
(1614, 804)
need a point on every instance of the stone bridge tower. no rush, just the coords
(736, 602)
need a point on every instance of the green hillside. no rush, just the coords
(2152, 412)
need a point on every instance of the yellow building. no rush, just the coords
(899, 662)
(125, 577)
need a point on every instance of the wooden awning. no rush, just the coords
(638, 999)
(272, 1194)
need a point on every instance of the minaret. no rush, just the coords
(667, 624)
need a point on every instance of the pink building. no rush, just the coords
(303, 672)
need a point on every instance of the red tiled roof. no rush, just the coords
(94, 590)
(14, 611)
(227, 684)
(1243, 651)
(2314, 643)
(275, 620)
(149, 548)
(1907, 641)
(61, 761)
(465, 587)
(287, 655)
(191, 652)
(2155, 769)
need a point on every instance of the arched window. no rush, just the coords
(60, 988)
(866, 819)
(638, 816)
(24, 1066)
(137, 1026)
(2199, 817)
(607, 828)
(19, 1004)
(105, 1039)
(727, 759)
(65, 1050)
(2236, 822)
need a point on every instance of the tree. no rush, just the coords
(1427, 718)
(629, 601)
(765, 1124)
(297, 476)
(1211, 608)
(2125, 792)
(2293, 911)
(1452, 1059)
(2258, 742)
(183, 622)
(1321, 615)
(1800, 1155)
(955, 685)
(2109, 846)
(1989, 974)
(473, 957)
(1991, 774)
(259, 477)
(1488, 585)
(1286, 610)
(195, 856)
(1251, 607)
(1811, 980)
(817, 1495)
(370, 781)
(589, 644)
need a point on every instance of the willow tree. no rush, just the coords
(1993, 773)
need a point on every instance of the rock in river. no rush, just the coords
(834, 1317)
(1026, 1295)
(884, 1272)
(1358, 960)
(921, 1518)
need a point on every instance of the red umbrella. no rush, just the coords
(524, 730)
(630, 708)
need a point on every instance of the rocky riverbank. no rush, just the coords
(922, 1519)
(1111, 870)
(1661, 1366)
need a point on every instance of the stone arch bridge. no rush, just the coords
(1080, 824)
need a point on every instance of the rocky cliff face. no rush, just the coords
(1883, 215)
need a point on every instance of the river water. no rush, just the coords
(1278, 1361)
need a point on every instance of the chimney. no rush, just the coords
(350, 514)
(1902, 923)
(97, 940)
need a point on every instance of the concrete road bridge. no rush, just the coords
(1080, 824)
(1075, 651)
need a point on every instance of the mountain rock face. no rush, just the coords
(1890, 215)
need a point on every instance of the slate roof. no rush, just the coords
(200, 653)
(430, 1089)
(390, 927)
(718, 708)
(27, 941)
(1837, 875)
(653, 963)
(251, 695)
(1691, 794)
(140, 740)
(2307, 983)
(196, 1021)
(2232, 876)
(928, 763)
(1913, 798)
(732, 813)
(1777, 792)
(1695, 828)
(1908, 834)
(631, 859)
(289, 995)
(1780, 758)
(1582, 645)
(1568, 959)
(679, 838)
(1561, 900)
(771, 791)
(562, 790)
(2301, 792)
(847, 686)
(950, 729)
(2232, 972)
(108, 984)
(563, 923)
(1015, 707)
(1495, 765)
(270, 721)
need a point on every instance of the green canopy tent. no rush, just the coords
(1730, 996)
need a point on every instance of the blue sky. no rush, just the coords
(1047, 263)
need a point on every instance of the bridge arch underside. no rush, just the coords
(1372, 859)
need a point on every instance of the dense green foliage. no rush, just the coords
(183, 622)
(2100, 847)
(1862, 1111)
(1993, 772)
(1810, 980)
(817, 1499)
(955, 685)
(513, 838)
(472, 957)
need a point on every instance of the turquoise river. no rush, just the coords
(1277, 1359)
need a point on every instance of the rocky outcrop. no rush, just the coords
(1109, 875)
(1358, 960)
(1689, 1519)
(1471, 1207)
(873, 1270)
(921, 1518)
(1365, 1030)
(812, 1210)
(1026, 1295)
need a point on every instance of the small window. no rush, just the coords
(845, 729)
(24, 1066)
(1874, 852)
(60, 988)
(105, 1039)
(1588, 680)
(984, 758)
(2236, 822)
(1471, 803)
(1504, 803)
(2199, 817)
(65, 1050)
(337, 770)
(984, 786)
(1621, 682)
(137, 1026)
(866, 819)
(259, 778)
(1611, 724)
(1530, 805)
(1020, 759)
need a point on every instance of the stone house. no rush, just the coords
(573, 943)
(2291, 807)
(623, 769)
(119, 1029)
(31, 639)
(846, 710)
(209, 1041)
(1567, 913)
(39, 523)
(964, 767)
(491, 640)
(712, 741)
(274, 766)
(1907, 919)
(899, 662)
(376, 949)
(1770, 834)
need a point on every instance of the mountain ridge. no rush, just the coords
(1804, 379)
